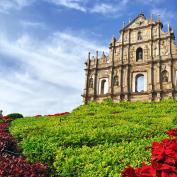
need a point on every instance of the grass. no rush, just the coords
(96, 139)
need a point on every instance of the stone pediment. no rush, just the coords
(139, 21)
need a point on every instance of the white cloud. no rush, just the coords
(86, 6)
(51, 76)
(109, 8)
(30, 24)
(6, 5)
(103, 8)
(72, 4)
(152, 2)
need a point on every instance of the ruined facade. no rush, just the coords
(141, 65)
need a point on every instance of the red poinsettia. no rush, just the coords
(163, 160)
(146, 171)
(129, 172)
(172, 132)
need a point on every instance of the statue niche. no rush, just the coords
(139, 54)
(91, 83)
(164, 76)
(139, 36)
(116, 81)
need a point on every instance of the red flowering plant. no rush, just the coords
(163, 160)
(172, 133)
(11, 163)
(38, 115)
(58, 114)
(6, 119)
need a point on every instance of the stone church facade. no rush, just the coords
(141, 65)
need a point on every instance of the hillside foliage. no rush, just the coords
(96, 139)
(11, 162)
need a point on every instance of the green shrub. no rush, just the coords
(15, 115)
(98, 139)
(175, 120)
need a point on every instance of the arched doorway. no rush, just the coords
(103, 86)
(103, 82)
(139, 83)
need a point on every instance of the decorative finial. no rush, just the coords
(129, 20)
(97, 54)
(170, 28)
(142, 12)
(113, 39)
(158, 17)
(89, 55)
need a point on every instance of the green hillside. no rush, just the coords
(96, 140)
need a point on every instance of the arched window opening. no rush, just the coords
(139, 85)
(115, 81)
(139, 54)
(139, 36)
(164, 76)
(103, 82)
(91, 83)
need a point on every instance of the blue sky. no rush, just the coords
(44, 44)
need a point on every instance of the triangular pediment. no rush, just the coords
(139, 21)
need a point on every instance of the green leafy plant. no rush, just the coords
(14, 115)
(98, 139)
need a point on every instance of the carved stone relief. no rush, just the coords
(125, 54)
(118, 54)
(155, 49)
(146, 52)
(132, 53)
(164, 47)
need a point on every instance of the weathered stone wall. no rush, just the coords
(143, 50)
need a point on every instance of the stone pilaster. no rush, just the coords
(112, 68)
(87, 79)
(95, 79)
(121, 68)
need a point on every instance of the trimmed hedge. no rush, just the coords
(96, 139)
(14, 115)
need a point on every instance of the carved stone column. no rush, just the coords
(87, 79)
(152, 66)
(160, 62)
(112, 68)
(129, 68)
(95, 79)
(121, 68)
(172, 68)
